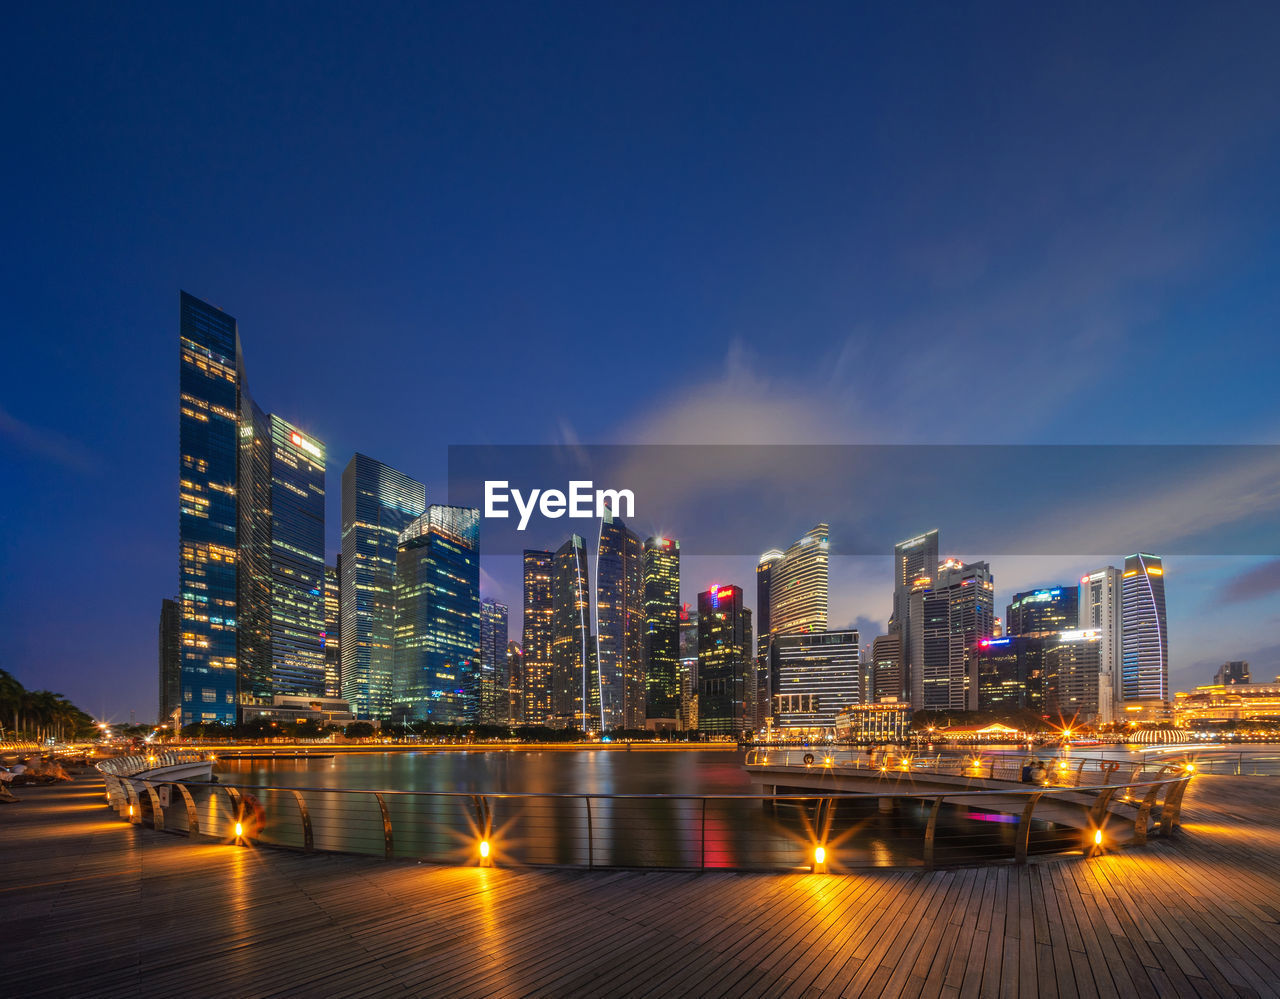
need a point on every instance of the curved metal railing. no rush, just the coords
(812, 831)
(129, 766)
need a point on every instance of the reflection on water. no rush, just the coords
(444, 820)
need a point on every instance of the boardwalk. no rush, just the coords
(90, 905)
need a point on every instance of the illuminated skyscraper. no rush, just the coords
(1144, 639)
(662, 629)
(725, 660)
(515, 684)
(818, 676)
(208, 434)
(1043, 612)
(766, 665)
(798, 585)
(948, 618)
(575, 685)
(1071, 663)
(378, 503)
(536, 639)
(886, 667)
(1010, 673)
(333, 630)
(913, 560)
(437, 618)
(494, 684)
(620, 625)
(1100, 606)
(688, 668)
(170, 659)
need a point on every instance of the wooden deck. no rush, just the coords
(90, 905)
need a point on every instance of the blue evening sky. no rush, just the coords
(618, 223)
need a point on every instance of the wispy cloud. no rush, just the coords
(47, 445)
(1260, 581)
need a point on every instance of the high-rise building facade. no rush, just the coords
(333, 629)
(1232, 673)
(620, 625)
(575, 685)
(208, 447)
(437, 617)
(818, 676)
(725, 660)
(799, 585)
(536, 639)
(886, 666)
(662, 629)
(948, 619)
(914, 560)
(1101, 610)
(495, 686)
(1144, 641)
(1071, 663)
(688, 668)
(378, 503)
(515, 684)
(1010, 673)
(1043, 612)
(170, 649)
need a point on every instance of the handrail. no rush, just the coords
(680, 831)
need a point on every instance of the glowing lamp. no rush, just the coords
(130, 811)
(484, 848)
(239, 829)
(819, 855)
(1097, 838)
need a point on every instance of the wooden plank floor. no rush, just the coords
(91, 906)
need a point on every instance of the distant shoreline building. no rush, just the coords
(725, 658)
(662, 632)
(536, 636)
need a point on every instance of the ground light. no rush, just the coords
(819, 865)
(485, 860)
(239, 833)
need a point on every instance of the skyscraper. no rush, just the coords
(1228, 674)
(818, 676)
(724, 660)
(1011, 673)
(1043, 612)
(208, 385)
(333, 630)
(913, 560)
(662, 629)
(688, 668)
(515, 684)
(1100, 609)
(437, 617)
(766, 665)
(798, 585)
(378, 503)
(494, 679)
(575, 685)
(886, 667)
(948, 619)
(1071, 664)
(1144, 638)
(170, 649)
(536, 639)
(620, 625)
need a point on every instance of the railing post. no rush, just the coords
(131, 794)
(1080, 772)
(1144, 812)
(1022, 840)
(1173, 806)
(591, 840)
(308, 844)
(193, 817)
(157, 813)
(702, 837)
(931, 831)
(386, 826)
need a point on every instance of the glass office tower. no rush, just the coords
(437, 617)
(1043, 612)
(662, 629)
(725, 660)
(170, 659)
(575, 686)
(208, 381)
(818, 676)
(495, 684)
(536, 636)
(1144, 641)
(333, 629)
(378, 503)
(620, 625)
(914, 559)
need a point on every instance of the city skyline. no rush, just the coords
(687, 202)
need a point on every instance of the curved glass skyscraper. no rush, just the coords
(1144, 641)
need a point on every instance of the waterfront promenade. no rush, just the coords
(91, 905)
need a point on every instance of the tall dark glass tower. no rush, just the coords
(537, 637)
(437, 619)
(620, 625)
(170, 659)
(662, 629)
(494, 678)
(333, 630)
(208, 385)
(913, 560)
(1043, 612)
(1144, 641)
(725, 657)
(378, 503)
(575, 686)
